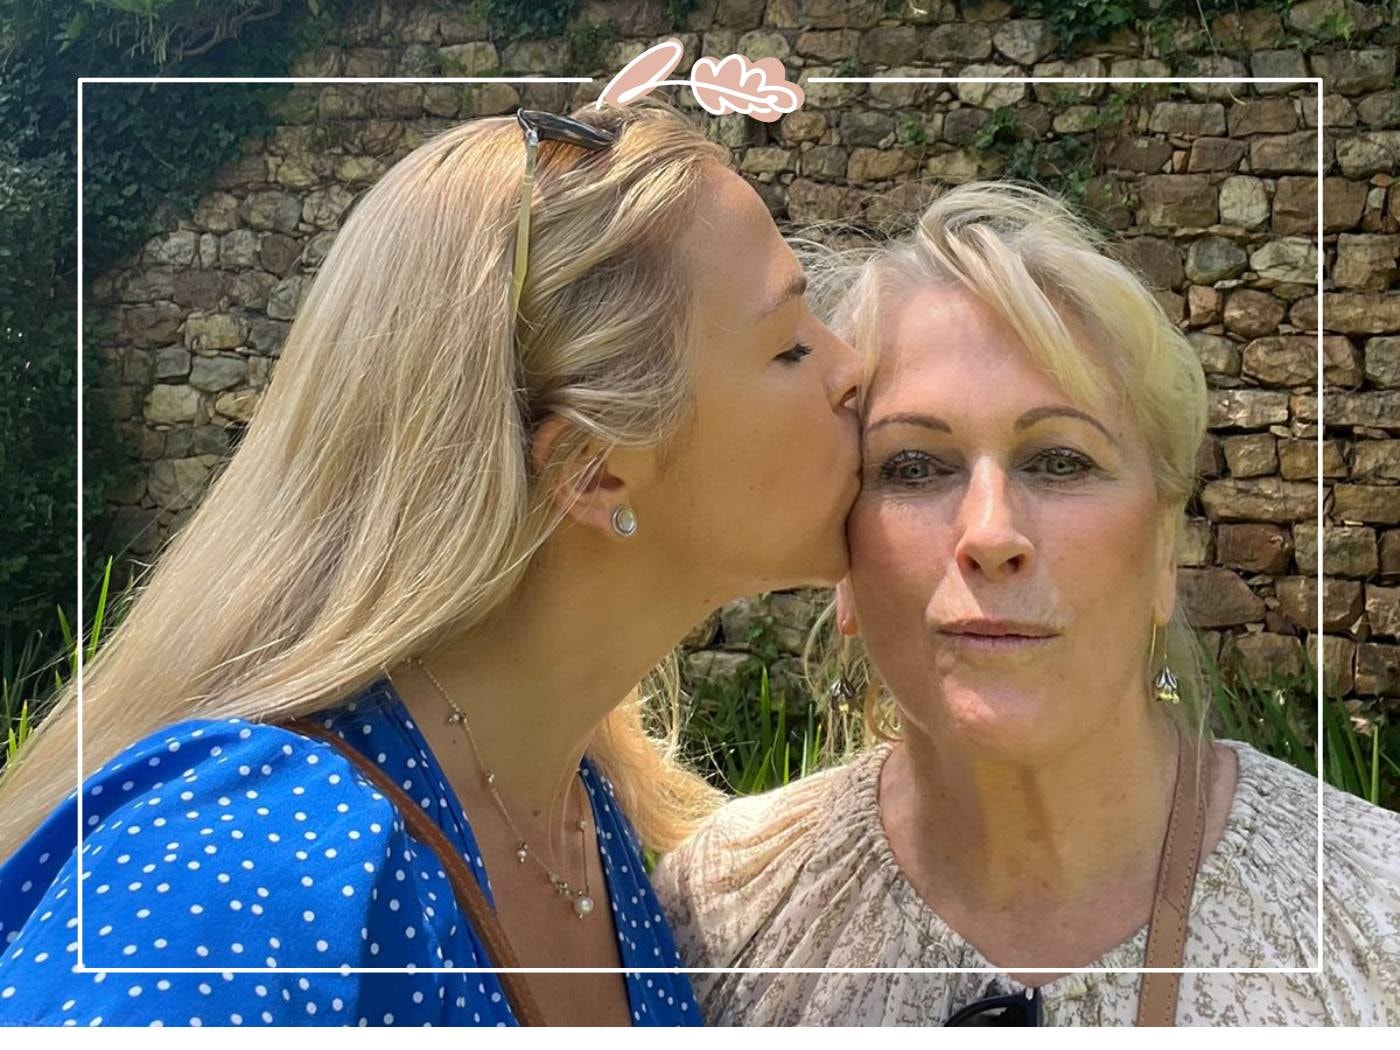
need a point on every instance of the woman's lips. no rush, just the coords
(997, 637)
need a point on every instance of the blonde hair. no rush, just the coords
(384, 498)
(1025, 254)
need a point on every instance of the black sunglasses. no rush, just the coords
(540, 126)
(1019, 1009)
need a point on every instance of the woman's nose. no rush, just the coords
(846, 374)
(992, 543)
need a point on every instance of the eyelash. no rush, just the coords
(888, 471)
(800, 349)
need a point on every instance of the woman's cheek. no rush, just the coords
(1098, 549)
(895, 567)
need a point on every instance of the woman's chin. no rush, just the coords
(1006, 722)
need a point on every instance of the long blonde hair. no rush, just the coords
(1024, 253)
(383, 498)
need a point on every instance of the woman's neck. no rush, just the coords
(536, 679)
(1027, 859)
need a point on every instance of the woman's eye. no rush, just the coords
(909, 468)
(1061, 463)
(797, 353)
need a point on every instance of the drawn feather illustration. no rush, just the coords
(735, 85)
(643, 74)
(732, 84)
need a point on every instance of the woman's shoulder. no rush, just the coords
(1278, 805)
(1269, 855)
(209, 843)
(232, 768)
(778, 820)
(205, 795)
(745, 859)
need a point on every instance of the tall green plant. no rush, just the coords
(26, 690)
(1278, 715)
(744, 741)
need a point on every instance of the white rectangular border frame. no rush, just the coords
(346, 969)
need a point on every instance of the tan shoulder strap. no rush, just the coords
(470, 897)
(1176, 879)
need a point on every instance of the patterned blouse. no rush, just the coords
(804, 876)
(226, 846)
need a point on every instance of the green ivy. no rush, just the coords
(1080, 21)
(518, 19)
(588, 45)
(677, 11)
(1337, 25)
(1062, 164)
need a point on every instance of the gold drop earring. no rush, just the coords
(1165, 686)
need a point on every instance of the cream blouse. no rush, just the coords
(804, 876)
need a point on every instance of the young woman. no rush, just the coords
(509, 457)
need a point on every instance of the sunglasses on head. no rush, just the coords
(539, 126)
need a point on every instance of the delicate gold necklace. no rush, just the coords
(581, 899)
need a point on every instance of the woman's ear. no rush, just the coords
(582, 487)
(846, 620)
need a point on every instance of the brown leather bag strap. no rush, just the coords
(470, 897)
(1176, 879)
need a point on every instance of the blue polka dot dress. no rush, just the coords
(222, 845)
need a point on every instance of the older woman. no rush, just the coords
(1030, 431)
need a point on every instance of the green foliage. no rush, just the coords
(746, 742)
(1084, 21)
(847, 67)
(511, 20)
(677, 11)
(1278, 715)
(1112, 112)
(146, 160)
(38, 377)
(588, 45)
(747, 737)
(1336, 25)
(167, 31)
(149, 152)
(1063, 164)
(1166, 43)
(1002, 131)
(1079, 20)
(26, 688)
(912, 134)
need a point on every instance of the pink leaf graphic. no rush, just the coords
(643, 74)
(733, 84)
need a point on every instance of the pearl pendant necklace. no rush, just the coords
(581, 899)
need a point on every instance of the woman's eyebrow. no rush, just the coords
(1033, 416)
(795, 287)
(912, 418)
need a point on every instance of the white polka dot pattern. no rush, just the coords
(224, 843)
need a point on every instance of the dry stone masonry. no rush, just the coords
(1212, 189)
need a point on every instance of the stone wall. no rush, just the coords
(1212, 188)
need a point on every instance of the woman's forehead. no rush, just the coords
(736, 254)
(948, 339)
